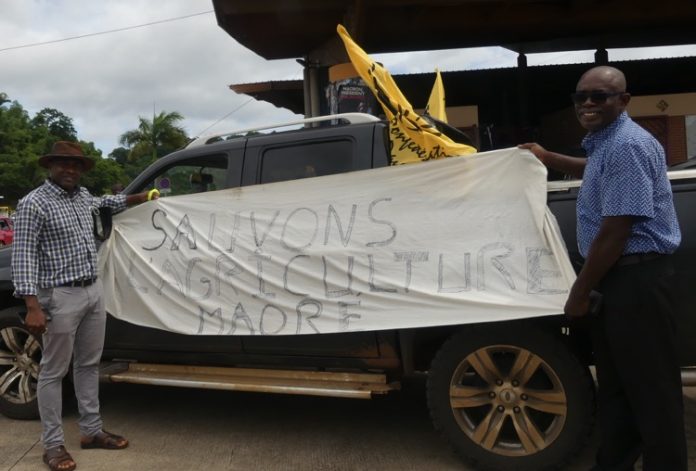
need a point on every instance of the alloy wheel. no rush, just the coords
(508, 400)
(20, 355)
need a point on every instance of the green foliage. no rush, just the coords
(131, 168)
(119, 155)
(155, 138)
(57, 123)
(23, 139)
(20, 145)
(105, 173)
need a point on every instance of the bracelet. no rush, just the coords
(151, 194)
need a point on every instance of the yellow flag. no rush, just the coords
(412, 138)
(436, 102)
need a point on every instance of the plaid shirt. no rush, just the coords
(54, 241)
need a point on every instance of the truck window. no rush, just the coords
(194, 175)
(306, 160)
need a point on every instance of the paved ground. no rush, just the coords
(181, 429)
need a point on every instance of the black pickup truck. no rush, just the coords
(506, 395)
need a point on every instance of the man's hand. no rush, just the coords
(153, 194)
(577, 308)
(35, 320)
(578, 304)
(535, 149)
(573, 166)
(606, 248)
(142, 197)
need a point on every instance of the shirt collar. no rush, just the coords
(594, 137)
(56, 190)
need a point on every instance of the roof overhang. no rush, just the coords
(547, 88)
(288, 94)
(280, 29)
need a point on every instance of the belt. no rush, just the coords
(79, 283)
(634, 258)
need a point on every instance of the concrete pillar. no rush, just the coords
(522, 61)
(314, 82)
(306, 89)
(522, 91)
(601, 56)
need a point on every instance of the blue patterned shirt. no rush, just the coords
(54, 240)
(626, 175)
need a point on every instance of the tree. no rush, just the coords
(23, 140)
(131, 168)
(119, 155)
(104, 174)
(155, 138)
(20, 146)
(57, 124)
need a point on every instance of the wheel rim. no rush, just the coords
(20, 355)
(508, 400)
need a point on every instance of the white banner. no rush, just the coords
(451, 241)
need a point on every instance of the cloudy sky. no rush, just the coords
(105, 81)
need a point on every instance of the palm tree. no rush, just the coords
(156, 138)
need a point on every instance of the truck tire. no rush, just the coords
(20, 355)
(511, 397)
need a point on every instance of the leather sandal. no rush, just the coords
(58, 459)
(105, 441)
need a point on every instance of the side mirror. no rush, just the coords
(102, 219)
(200, 181)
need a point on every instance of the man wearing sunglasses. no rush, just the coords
(626, 230)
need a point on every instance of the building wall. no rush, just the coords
(463, 116)
(680, 104)
(673, 110)
(676, 140)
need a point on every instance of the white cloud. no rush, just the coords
(105, 82)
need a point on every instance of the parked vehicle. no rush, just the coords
(6, 231)
(685, 165)
(510, 395)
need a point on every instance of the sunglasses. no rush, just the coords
(596, 97)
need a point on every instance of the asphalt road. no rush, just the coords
(185, 429)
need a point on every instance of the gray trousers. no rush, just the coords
(75, 330)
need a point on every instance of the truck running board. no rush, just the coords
(311, 383)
